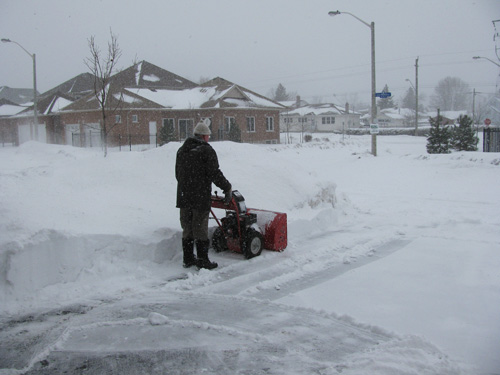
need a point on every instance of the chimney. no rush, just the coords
(297, 102)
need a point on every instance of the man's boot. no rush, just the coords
(188, 251)
(202, 251)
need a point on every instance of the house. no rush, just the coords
(144, 101)
(449, 117)
(396, 118)
(8, 133)
(325, 117)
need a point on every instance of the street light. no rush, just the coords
(481, 57)
(35, 99)
(373, 101)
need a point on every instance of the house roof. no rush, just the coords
(48, 104)
(451, 115)
(16, 96)
(7, 108)
(144, 85)
(319, 109)
(216, 93)
(396, 114)
(205, 96)
(76, 87)
(145, 74)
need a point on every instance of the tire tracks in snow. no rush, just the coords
(311, 261)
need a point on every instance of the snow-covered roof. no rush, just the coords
(10, 110)
(317, 110)
(200, 97)
(448, 114)
(173, 99)
(396, 114)
(58, 103)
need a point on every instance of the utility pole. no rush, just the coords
(416, 97)
(374, 99)
(474, 106)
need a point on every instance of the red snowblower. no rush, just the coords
(247, 230)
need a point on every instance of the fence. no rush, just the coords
(7, 138)
(128, 141)
(491, 140)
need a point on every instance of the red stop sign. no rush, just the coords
(487, 121)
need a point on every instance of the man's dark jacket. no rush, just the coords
(196, 168)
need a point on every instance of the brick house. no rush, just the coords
(144, 100)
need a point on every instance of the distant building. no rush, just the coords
(325, 117)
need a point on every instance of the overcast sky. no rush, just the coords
(260, 43)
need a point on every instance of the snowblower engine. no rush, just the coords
(247, 230)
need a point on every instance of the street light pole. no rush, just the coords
(35, 99)
(415, 88)
(416, 97)
(481, 57)
(373, 101)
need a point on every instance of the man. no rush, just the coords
(196, 168)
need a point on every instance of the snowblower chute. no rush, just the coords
(247, 230)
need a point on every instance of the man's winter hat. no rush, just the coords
(202, 127)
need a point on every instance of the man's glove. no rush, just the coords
(228, 195)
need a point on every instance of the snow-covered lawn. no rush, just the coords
(392, 264)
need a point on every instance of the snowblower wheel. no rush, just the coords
(219, 242)
(254, 242)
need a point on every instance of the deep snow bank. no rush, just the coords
(71, 216)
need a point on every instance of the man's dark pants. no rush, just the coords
(194, 224)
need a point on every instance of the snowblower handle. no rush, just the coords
(228, 196)
(237, 202)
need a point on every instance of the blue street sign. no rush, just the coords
(383, 95)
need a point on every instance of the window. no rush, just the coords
(118, 119)
(251, 124)
(328, 120)
(135, 118)
(185, 128)
(270, 124)
(228, 123)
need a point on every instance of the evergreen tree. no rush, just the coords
(386, 102)
(464, 138)
(281, 94)
(439, 138)
(234, 133)
(166, 133)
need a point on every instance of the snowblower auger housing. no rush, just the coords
(247, 230)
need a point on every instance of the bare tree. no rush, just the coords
(451, 94)
(203, 80)
(102, 68)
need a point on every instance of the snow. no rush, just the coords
(151, 78)
(177, 99)
(10, 110)
(260, 101)
(391, 266)
(127, 98)
(57, 105)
